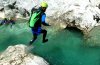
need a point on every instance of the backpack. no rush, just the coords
(35, 16)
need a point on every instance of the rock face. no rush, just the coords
(80, 14)
(18, 55)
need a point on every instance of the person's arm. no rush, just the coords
(43, 20)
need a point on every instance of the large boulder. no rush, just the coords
(80, 14)
(19, 55)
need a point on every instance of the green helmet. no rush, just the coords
(44, 4)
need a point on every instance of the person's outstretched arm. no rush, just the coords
(43, 20)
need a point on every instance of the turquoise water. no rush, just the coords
(65, 47)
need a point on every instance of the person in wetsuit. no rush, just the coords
(36, 30)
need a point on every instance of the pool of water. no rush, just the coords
(65, 47)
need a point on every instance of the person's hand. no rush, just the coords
(49, 25)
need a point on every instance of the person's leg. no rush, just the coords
(12, 22)
(3, 21)
(33, 39)
(44, 36)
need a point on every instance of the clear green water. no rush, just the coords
(65, 47)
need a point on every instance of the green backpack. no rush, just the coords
(34, 18)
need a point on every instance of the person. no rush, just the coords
(10, 14)
(6, 21)
(36, 29)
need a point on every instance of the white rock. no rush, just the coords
(19, 55)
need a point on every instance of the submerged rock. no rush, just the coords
(93, 38)
(19, 55)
